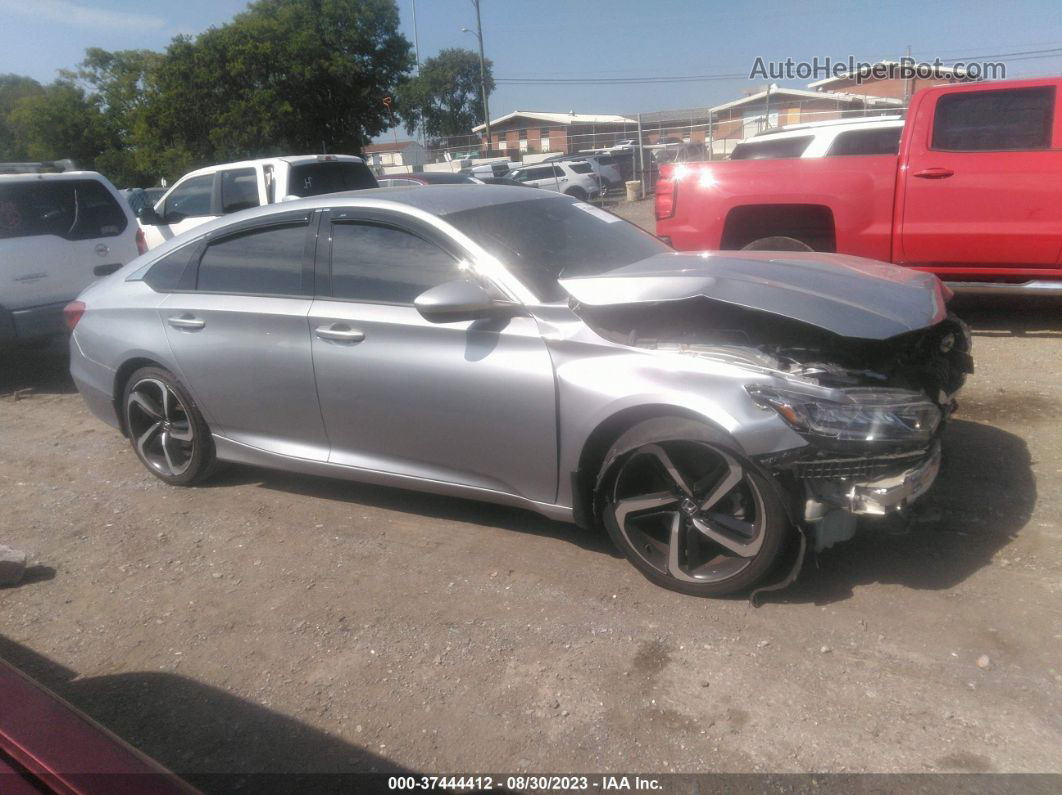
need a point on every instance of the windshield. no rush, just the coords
(333, 176)
(541, 240)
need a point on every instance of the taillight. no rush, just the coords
(141, 242)
(665, 194)
(72, 313)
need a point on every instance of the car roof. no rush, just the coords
(825, 128)
(295, 160)
(64, 175)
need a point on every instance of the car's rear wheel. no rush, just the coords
(777, 243)
(166, 428)
(576, 193)
(688, 511)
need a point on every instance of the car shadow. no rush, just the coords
(984, 496)
(430, 506)
(43, 369)
(213, 739)
(1010, 316)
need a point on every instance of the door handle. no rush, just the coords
(339, 332)
(933, 173)
(187, 322)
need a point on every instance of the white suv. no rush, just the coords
(58, 232)
(604, 166)
(571, 179)
(874, 135)
(208, 193)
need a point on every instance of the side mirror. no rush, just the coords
(460, 300)
(149, 217)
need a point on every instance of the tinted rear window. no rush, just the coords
(543, 239)
(1012, 119)
(769, 150)
(71, 209)
(265, 261)
(314, 179)
(885, 141)
(582, 168)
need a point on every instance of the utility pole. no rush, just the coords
(416, 50)
(482, 74)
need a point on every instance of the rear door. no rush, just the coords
(239, 333)
(470, 403)
(981, 184)
(56, 236)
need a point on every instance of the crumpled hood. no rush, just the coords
(849, 296)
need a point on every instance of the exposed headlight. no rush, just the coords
(858, 415)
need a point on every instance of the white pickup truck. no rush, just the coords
(210, 192)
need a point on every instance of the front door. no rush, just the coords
(471, 403)
(242, 342)
(189, 204)
(980, 187)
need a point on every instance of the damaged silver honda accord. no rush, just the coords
(715, 412)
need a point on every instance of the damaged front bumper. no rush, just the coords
(833, 505)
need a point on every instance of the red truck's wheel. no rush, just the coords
(777, 243)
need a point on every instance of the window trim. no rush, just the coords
(1050, 126)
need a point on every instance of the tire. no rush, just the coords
(576, 193)
(777, 243)
(166, 428)
(721, 498)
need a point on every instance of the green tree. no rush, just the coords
(59, 122)
(12, 89)
(118, 83)
(445, 98)
(283, 77)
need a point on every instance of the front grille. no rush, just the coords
(857, 468)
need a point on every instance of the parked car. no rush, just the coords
(525, 348)
(876, 135)
(973, 195)
(571, 179)
(604, 165)
(210, 192)
(58, 232)
(141, 198)
(430, 178)
(427, 178)
(46, 745)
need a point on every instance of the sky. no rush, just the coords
(551, 40)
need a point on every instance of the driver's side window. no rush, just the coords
(190, 199)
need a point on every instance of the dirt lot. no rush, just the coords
(275, 622)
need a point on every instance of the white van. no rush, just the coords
(58, 232)
(207, 193)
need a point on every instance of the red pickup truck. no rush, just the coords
(974, 195)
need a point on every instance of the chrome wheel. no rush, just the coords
(160, 427)
(688, 510)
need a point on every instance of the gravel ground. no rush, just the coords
(271, 622)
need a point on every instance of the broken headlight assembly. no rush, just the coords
(853, 415)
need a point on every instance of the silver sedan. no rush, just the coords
(715, 412)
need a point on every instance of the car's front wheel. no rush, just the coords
(687, 511)
(166, 428)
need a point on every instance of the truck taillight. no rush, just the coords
(665, 194)
(141, 242)
(72, 313)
